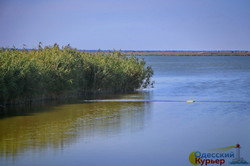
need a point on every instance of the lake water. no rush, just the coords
(153, 127)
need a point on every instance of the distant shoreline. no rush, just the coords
(190, 53)
(166, 52)
(179, 53)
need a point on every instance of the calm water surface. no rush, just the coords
(140, 133)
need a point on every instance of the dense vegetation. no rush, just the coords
(51, 72)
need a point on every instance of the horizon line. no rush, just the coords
(135, 50)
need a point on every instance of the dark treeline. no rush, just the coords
(52, 72)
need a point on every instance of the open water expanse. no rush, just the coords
(153, 127)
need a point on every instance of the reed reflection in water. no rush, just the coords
(59, 126)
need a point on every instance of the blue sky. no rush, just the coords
(127, 24)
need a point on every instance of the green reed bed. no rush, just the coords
(51, 72)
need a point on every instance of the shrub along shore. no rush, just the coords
(51, 72)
